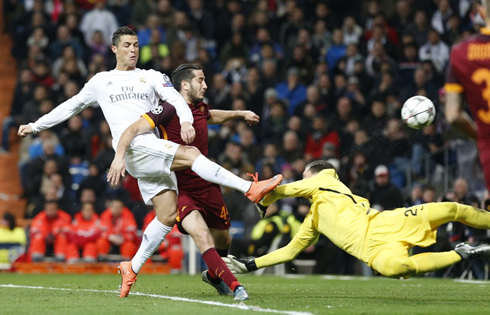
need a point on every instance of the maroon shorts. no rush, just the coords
(209, 202)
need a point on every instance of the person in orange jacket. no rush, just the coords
(171, 248)
(84, 234)
(50, 227)
(118, 227)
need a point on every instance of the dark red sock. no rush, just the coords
(218, 268)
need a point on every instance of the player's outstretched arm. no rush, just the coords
(118, 168)
(222, 116)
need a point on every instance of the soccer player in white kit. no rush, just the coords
(124, 94)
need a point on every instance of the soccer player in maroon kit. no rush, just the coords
(194, 192)
(469, 76)
(202, 212)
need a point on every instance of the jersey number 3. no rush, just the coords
(479, 76)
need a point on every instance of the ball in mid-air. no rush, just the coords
(418, 112)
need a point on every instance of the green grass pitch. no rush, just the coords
(178, 294)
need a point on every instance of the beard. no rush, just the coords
(195, 98)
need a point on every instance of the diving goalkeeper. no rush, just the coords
(380, 239)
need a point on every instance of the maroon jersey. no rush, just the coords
(164, 118)
(469, 73)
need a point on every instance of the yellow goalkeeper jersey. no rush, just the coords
(335, 212)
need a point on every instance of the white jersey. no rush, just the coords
(123, 97)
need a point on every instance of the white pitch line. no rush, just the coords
(240, 306)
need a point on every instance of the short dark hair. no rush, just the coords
(123, 30)
(184, 72)
(319, 165)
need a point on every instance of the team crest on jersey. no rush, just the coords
(166, 81)
(202, 108)
(168, 146)
(157, 110)
(142, 80)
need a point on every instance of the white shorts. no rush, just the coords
(149, 160)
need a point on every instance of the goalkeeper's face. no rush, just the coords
(197, 87)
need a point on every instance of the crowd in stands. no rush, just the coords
(328, 79)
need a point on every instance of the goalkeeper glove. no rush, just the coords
(238, 266)
(261, 209)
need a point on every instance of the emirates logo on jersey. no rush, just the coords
(157, 110)
(142, 80)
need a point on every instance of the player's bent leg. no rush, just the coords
(222, 241)
(394, 262)
(165, 204)
(216, 174)
(444, 212)
(184, 157)
(218, 275)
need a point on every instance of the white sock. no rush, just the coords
(153, 236)
(217, 174)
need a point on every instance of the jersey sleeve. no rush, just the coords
(67, 109)
(160, 115)
(452, 83)
(165, 90)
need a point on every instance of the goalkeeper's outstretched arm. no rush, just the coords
(287, 253)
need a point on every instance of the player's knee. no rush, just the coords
(395, 267)
(168, 218)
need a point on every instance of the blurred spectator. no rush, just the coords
(50, 228)
(384, 195)
(292, 90)
(24, 91)
(250, 146)
(84, 234)
(337, 49)
(69, 54)
(416, 196)
(275, 124)
(325, 14)
(408, 64)
(291, 148)
(154, 51)
(202, 18)
(63, 40)
(441, 17)
(352, 31)
(99, 19)
(141, 10)
(233, 159)
(236, 47)
(321, 37)
(73, 139)
(435, 50)
(320, 134)
(428, 145)
(420, 28)
(153, 33)
(375, 122)
(271, 157)
(118, 228)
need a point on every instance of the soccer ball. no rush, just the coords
(418, 112)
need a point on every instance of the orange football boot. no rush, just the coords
(128, 277)
(259, 189)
